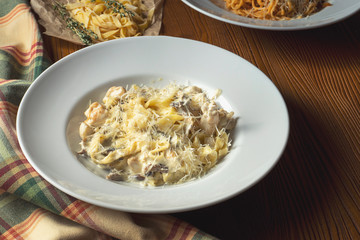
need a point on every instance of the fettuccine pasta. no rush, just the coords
(276, 9)
(112, 19)
(156, 136)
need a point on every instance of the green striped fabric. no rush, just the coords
(29, 205)
(21, 187)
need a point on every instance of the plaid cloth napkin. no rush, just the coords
(31, 208)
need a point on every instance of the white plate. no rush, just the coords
(52, 108)
(340, 10)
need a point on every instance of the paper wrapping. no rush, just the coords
(56, 27)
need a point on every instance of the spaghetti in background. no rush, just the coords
(276, 9)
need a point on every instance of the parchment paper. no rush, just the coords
(55, 26)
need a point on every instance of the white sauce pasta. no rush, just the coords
(156, 136)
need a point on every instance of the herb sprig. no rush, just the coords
(86, 35)
(118, 7)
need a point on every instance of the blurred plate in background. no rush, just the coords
(340, 10)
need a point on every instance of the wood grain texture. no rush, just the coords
(314, 191)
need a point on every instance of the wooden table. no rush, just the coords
(314, 191)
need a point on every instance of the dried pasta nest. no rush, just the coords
(111, 19)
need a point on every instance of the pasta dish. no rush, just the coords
(156, 136)
(111, 19)
(276, 9)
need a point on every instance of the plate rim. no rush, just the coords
(127, 209)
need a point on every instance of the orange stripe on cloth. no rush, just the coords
(177, 229)
(16, 173)
(19, 9)
(10, 109)
(9, 234)
(25, 55)
(24, 58)
(118, 224)
(79, 212)
(7, 123)
(20, 36)
(22, 230)
(20, 53)
(189, 232)
(42, 224)
(8, 106)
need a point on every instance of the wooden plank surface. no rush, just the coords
(314, 191)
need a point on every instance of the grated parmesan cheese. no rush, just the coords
(156, 136)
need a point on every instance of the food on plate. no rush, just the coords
(156, 136)
(276, 9)
(103, 20)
